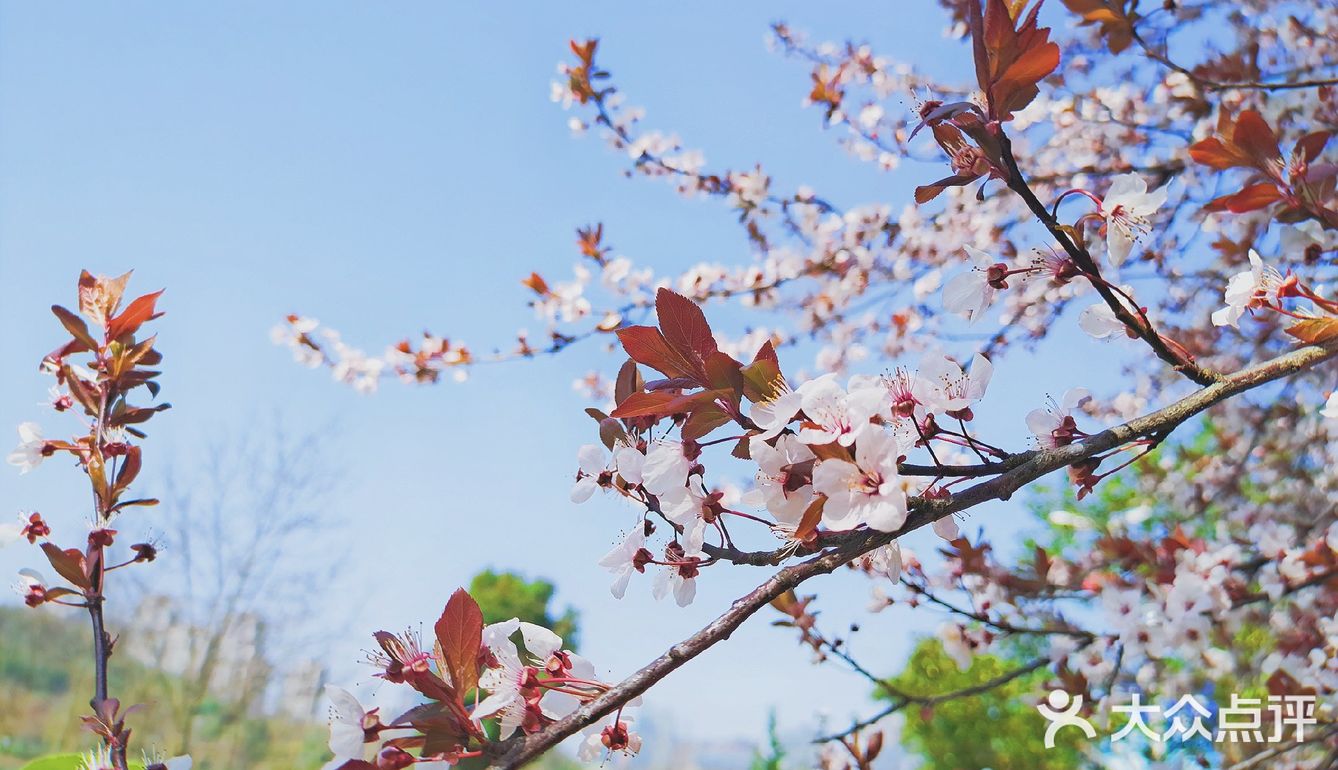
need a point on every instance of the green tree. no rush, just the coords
(998, 729)
(505, 595)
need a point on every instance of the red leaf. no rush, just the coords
(1315, 331)
(703, 421)
(767, 353)
(460, 634)
(724, 372)
(1252, 198)
(1253, 135)
(75, 326)
(629, 382)
(646, 345)
(812, 517)
(684, 326)
(663, 404)
(135, 314)
(928, 192)
(1311, 145)
(69, 564)
(1215, 153)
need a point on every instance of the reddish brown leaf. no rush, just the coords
(703, 421)
(1255, 138)
(684, 326)
(812, 517)
(1315, 331)
(460, 634)
(664, 403)
(1215, 153)
(75, 326)
(646, 345)
(135, 314)
(69, 564)
(1252, 198)
(629, 381)
(1311, 145)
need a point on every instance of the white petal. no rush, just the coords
(539, 640)
(1122, 188)
(590, 457)
(584, 489)
(1099, 321)
(981, 258)
(9, 533)
(1075, 397)
(685, 591)
(344, 707)
(30, 432)
(557, 705)
(1118, 245)
(346, 741)
(629, 461)
(1041, 423)
(619, 586)
(946, 528)
(494, 703)
(967, 295)
(1227, 316)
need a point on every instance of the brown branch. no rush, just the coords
(1208, 84)
(523, 750)
(902, 700)
(1137, 322)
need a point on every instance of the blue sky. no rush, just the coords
(383, 168)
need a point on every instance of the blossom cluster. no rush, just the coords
(481, 688)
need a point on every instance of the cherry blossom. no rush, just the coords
(32, 449)
(630, 555)
(1330, 409)
(31, 586)
(603, 739)
(348, 725)
(971, 293)
(664, 473)
(1125, 209)
(1100, 321)
(835, 415)
(1246, 290)
(592, 462)
(689, 512)
(944, 387)
(779, 476)
(868, 491)
(1054, 426)
(514, 695)
(773, 414)
(677, 578)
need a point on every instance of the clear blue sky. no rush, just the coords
(386, 167)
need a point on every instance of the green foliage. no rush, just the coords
(505, 595)
(45, 663)
(774, 757)
(998, 729)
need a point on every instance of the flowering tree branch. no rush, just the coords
(854, 544)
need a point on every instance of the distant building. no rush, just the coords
(159, 635)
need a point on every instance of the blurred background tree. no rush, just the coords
(996, 729)
(505, 595)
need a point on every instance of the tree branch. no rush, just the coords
(850, 545)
